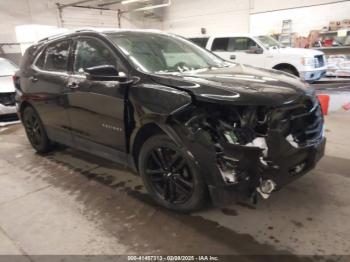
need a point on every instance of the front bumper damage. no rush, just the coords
(239, 163)
(280, 170)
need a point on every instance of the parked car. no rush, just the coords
(7, 90)
(194, 126)
(266, 52)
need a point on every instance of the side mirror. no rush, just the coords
(255, 50)
(103, 73)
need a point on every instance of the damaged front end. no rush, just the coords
(246, 151)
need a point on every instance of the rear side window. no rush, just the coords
(55, 57)
(40, 62)
(201, 41)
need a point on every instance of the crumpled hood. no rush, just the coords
(6, 84)
(238, 84)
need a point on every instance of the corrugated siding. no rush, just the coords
(73, 17)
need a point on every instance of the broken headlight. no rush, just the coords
(241, 126)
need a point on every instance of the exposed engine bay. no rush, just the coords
(258, 147)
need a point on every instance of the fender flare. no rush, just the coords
(286, 64)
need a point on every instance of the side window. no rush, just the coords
(56, 58)
(241, 44)
(40, 62)
(91, 52)
(201, 41)
(220, 44)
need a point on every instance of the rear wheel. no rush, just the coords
(35, 131)
(170, 176)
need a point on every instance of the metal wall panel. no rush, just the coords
(73, 17)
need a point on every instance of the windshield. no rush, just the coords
(157, 53)
(7, 68)
(269, 42)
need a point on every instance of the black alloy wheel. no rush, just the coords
(35, 131)
(169, 176)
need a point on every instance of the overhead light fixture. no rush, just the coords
(129, 1)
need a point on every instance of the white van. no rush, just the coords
(266, 52)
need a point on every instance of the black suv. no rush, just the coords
(195, 127)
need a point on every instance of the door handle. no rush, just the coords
(73, 85)
(233, 57)
(33, 79)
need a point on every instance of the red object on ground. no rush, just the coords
(346, 106)
(324, 101)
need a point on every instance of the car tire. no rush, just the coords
(35, 131)
(170, 176)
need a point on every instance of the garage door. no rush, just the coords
(73, 17)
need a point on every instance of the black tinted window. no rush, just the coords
(220, 44)
(91, 52)
(201, 41)
(57, 57)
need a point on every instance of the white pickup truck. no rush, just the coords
(266, 52)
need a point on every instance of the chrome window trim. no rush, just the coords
(49, 72)
(72, 48)
(78, 76)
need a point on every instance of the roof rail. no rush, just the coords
(98, 30)
(52, 37)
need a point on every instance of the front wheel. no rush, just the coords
(35, 131)
(170, 176)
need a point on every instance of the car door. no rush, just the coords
(238, 49)
(46, 82)
(96, 108)
(247, 51)
(220, 47)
